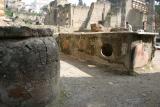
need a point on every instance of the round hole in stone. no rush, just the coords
(107, 50)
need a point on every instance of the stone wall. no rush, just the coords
(51, 16)
(64, 15)
(134, 16)
(123, 51)
(100, 10)
(79, 15)
(112, 13)
(28, 18)
(151, 16)
(123, 11)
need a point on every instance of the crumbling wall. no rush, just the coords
(151, 16)
(122, 11)
(112, 13)
(134, 16)
(137, 20)
(100, 10)
(64, 15)
(51, 16)
(115, 13)
(79, 15)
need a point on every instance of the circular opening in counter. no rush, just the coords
(107, 50)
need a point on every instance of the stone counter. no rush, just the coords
(124, 51)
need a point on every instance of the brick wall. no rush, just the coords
(98, 10)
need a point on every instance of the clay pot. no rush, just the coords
(29, 67)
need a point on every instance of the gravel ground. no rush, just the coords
(87, 85)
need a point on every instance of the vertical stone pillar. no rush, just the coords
(123, 13)
(151, 16)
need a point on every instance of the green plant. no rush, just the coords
(8, 13)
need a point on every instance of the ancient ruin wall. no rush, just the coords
(64, 16)
(79, 15)
(113, 13)
(134, 16)
(50, 18)
(100, 10)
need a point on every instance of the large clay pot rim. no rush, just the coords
(23, 32)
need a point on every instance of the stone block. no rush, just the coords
(114, 49)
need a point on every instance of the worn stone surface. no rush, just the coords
(114, 49)
(90, 85)
(29, 70)
(22, 32)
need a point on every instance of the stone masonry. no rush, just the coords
(123, 51)
(111, 13)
